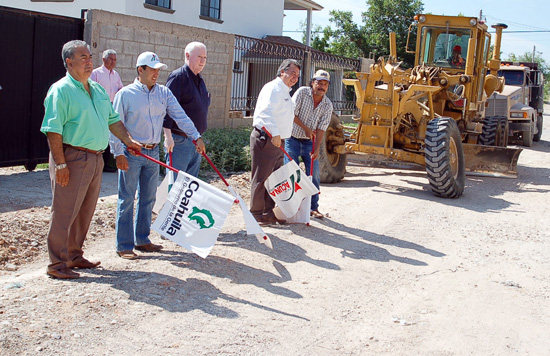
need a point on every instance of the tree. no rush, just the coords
(349, 39)
(344, 39)
(317, 42)
(385, 16)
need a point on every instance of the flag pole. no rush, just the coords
(155, 160)
(212, 165)
(281, 146)
(264, 238)
(312, 152)
(175, 170)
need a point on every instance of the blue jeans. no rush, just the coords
(302, 149)
(142, 175)
(185, 155)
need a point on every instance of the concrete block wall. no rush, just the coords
(129, 36)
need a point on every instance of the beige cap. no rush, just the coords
(322, 75)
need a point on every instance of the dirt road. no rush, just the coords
(392, 271)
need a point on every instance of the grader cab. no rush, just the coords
(432, 114)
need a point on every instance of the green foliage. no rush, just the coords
(385, 16)
(346, 38)
(317, 41)
(229, 149)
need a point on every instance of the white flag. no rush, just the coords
(252, 226)
(194, 214)
(288, 186)
(162, 191)
(302, 216)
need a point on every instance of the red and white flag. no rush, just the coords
(288, 186)
(193, 214)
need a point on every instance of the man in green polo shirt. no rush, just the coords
(78, 118)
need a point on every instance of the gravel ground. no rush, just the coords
(392, 271)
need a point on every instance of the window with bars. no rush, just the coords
(211, 8)
(160, 3)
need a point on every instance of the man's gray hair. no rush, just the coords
(192, 46)
(286, 64)
(70, 47)
(108, 52)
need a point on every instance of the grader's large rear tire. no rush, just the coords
(444, 158)
(331, 164)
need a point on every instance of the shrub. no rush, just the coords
(228, 149)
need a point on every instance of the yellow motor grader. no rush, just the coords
(432, 114)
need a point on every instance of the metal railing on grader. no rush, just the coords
(432, 114)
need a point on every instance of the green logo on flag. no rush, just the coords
(202, 217)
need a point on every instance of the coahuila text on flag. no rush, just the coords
(193, 214)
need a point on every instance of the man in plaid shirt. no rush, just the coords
(312, 113)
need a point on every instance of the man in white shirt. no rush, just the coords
(274, 111)
(109, 79)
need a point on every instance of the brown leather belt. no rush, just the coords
(148, 146)
(85, 149)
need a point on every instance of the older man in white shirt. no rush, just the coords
(274, 111)
(109, 79)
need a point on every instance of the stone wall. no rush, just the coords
(129, 36)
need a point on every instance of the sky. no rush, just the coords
(527, 15)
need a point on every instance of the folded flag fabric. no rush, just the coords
(162, 191)
(252, 226)
(193, 214)
(288, 186)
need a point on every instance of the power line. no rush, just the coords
(518, 24)
(522, 31)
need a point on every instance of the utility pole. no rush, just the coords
(533, 60)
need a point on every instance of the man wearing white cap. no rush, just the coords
(312, 113)
(142, 106)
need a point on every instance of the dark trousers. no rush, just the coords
(266, 159)
(73, 206)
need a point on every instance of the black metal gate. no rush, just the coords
(30, 62)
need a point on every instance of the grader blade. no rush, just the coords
(491, 161)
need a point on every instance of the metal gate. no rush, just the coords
(256, 62)
(31, 61)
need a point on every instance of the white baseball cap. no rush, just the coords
(322, 75)
(150, 59)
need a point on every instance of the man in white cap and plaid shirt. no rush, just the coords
(142, 106)
(312, 113)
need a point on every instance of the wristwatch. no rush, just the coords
(61, 166)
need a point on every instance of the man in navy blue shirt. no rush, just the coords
(189, 89)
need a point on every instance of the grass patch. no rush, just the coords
(229, 149)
